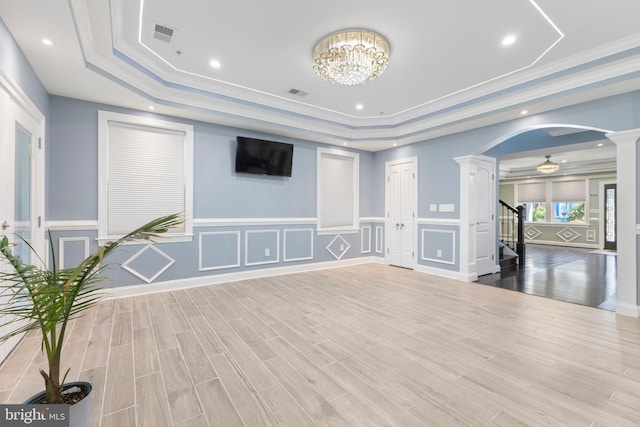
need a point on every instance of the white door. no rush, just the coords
(18, 133)
(401, 191)
(485, 188)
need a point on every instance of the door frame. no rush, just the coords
(21, 100)
(468, 268)
(601, 207)
(18, 100)
(387, 221)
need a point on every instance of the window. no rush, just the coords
(533, 196)
(568, 212)
(536, 212)
(145, 171)
(554, 201)
(338, 184)
(568, 201)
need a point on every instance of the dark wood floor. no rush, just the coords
(567, 274)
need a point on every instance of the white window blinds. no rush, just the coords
(533, 192)
(568, 191)
(146, 176)
(146, 168)
(337, 190)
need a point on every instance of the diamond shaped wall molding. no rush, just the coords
(338, 247)
(149, 247)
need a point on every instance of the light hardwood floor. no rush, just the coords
(359, 346)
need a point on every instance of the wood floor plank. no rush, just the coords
(121, 333)
(178, 320)
(310, 372)
(399, 394)
(223, 309)
(146, 356)
(105, 310)
(322, 412)
(140, 313)
(242, 392)
(358, 413)
(183, 399)
(97, 377)
(120, 387)
(310, 351)
(187, 306)
(162, 331)
(208, 337)
(199, 421)
(252, 366)
(219, 408)
(195, 357)
(285, 409)
(152, 406)
(217, 321)
(361, 390)
(123, 418)
(251, 338)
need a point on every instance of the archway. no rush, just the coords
(626, 169)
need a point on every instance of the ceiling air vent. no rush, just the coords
(298, 92)
(163, 33)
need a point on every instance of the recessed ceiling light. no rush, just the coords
(564, 161)
(214, 63)
(47, 42)
(600, 145)
(508, 40)
(395, 144)
(523, 112)
(359, 106)
(344, 143)
(151, 107)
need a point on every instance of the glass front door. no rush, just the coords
(610, 226)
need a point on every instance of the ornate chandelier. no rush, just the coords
(351, 57)
(548, 166)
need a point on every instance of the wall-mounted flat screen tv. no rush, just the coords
(263, 157)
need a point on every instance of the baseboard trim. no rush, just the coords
(193, 282)
(627, 310)
(470, 277)
(563, 244)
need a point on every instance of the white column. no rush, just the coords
(626, 143)
(467, 217)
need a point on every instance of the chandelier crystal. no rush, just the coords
(548, 166)
(351, 57)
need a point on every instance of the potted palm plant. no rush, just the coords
(46, 299)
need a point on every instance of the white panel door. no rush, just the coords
(400, 219)
(485, 218)
(18, 131)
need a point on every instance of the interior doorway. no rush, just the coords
(400, 219)
(21, 199)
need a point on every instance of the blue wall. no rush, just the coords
(219, 193)
(15, 67)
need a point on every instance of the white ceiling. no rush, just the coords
(586, 158)
(448, 70)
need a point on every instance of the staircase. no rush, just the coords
(508, 258)
(511, 245)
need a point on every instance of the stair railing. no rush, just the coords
(511, 222)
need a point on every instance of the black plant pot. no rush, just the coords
(79, 412)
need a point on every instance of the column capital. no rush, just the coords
(625, 136)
